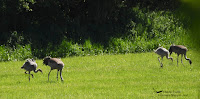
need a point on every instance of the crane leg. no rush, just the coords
(29, 75)
(160, 61)
(61, 75)
(177, 59)
(49, 74)
(181, 59)
(57, 74)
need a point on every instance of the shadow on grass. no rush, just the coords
(51, 82)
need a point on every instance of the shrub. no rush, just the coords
(19, 53)
(145, 31)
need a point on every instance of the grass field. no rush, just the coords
(107, 76)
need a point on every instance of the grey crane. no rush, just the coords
(30, 65)
(179, 49)
(162, 52)
(54, 63)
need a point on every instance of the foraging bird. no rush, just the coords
(54, 63)
(30, 65)
(179, 49)
(162, 52)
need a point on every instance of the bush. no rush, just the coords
(19, 53)
(145, 31)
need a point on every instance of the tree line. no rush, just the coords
(43, 22)
(51, 20)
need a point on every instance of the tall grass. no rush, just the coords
(18, 53)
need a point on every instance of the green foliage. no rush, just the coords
(148, 30)
(80, 19)
(69, 48)
(117, 28)
(19, 53)
(87, 47)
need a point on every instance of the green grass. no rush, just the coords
(106, 76)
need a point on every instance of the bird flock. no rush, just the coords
(56, 63)
(178, 49)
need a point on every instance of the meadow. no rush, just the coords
(136, 76)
